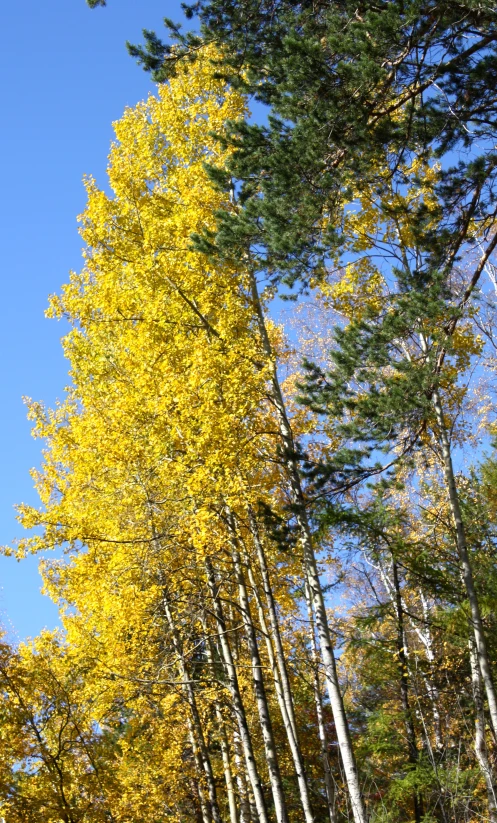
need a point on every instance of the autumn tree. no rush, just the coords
(163, 470)
(277, 579)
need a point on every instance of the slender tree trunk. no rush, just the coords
(425, 638)
(480, 743)
(258, 679)
(204, 806)
(431, 688)
(243, 780)
(329, 783)
(228, 776)
(236, 698)
(312, 575)
(223, 739)
(285, 701)
(466, 568)
(244, 800)
(197, 799)
(274, 623)
(404, 687)
(199, 746)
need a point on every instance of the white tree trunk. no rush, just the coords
(480, 743)
(465, 565)
(431, 689)
(284, 700)
(274, 623)
(312, 575)
(223, 739)
(258, 679)
(238, 707)
(245, 813)
(199, 747)
(329, 783)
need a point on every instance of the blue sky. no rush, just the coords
(66, 76)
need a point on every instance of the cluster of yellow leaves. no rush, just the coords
(372, 223)
(360, 288)
(71, 753)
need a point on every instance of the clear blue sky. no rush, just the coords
(66, 76)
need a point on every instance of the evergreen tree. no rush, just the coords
(349, 89)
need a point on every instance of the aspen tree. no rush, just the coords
(312, 578)
(144, 309)
(237, 702)
(279, 669)
(480, 743)
(318, 700)
(257, 674)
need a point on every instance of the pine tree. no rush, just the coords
(349, 90)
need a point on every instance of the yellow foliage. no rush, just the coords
(165, 427)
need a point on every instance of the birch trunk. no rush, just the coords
(283, 693)
(245, 811)
(228, 776)
(223, 739)
(273, 619)
(247, 802)
(312, 575)
(480, 743)
(431, 688)
(466, 568)
(329, 783)
(236, 698)
(197, 735)
(404, 687)
(259, 687)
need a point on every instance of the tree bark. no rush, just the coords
(431, 689)
(312, 575)
(466, 568)
(258, 679)
(238, 707)
(245, 803)
(280, 675)
(329, 782)
(480, 743)
(223, 739)
(199, 746)
(274, 623)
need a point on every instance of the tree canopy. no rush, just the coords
(276, 518)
